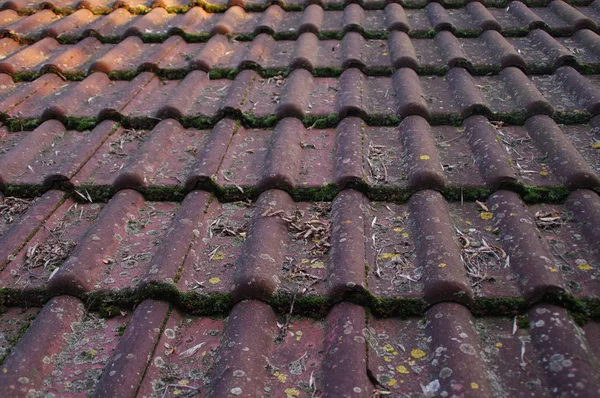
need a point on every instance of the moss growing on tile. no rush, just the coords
(554, 194)
(326, 193)
(79, 123)
(494, 306)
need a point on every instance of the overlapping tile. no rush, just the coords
(344, 186)
(511, 97)
(253, 351)
(426, 250)
(235, 161)
(558, 18)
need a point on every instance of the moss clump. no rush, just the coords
(523, 322)
(492, 306)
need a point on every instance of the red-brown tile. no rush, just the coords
(529, 257)
(347, 272)
(345, 353)
(438, 254)
(239, 368)
(422, 160)
(49, 335)
(458, 358)
(51, 154)
(186, 351)
(562, 156)
(123, 371)
(256, 271)
(560, 346)
(21, 218)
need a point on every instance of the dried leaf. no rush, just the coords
(191, 351)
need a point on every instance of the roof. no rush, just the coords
(290, 199)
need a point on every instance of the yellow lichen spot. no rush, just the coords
(184, 382)
(416, 353)
(280, 376)
(387, 359)
(411, 363)
(405, 235)
(468, 222)
(392, 382)
(388, 256)
(318, 264)
(218, 256)
(584, 267)
(398, 229)
(486, 215)
(553, 269)
(596, 145)
(395, 353)
(298, 335)
(291, 393)
(214, 281)
(402, 369)
(544, 173)
(424, 157)
(489, 229)
(499, 345)
(442, 265)
(388, 348)
(475, 386)
(304, 260)
(348, 222)
(384, 54)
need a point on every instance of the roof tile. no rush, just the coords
(331, 199)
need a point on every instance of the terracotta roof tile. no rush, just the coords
(299, 198)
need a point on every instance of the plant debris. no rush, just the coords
(479, 258)
(378, 162)
(49, 254)
(224, 228)
(11, 207)
(550, 219)
(317, 228)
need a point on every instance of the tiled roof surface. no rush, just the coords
(299, 199)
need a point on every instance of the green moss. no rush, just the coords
(326, 193)
(493, 306)
(79, 123)
(315, 307)
(121, 329)
(22, 190)
(321, 122)
(554, 194)
(330, 35)
(109, 310)
(16, 124)
(215, 304)
(26, 76)
(573, 117)
(163, 193)
(523, 322)
(201, 37)
(123, 74)
(470, 194)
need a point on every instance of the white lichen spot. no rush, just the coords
(357, 390)
(468, 349)
(239, 373)
(23, 380)
(539, 323)
(170, 333)
(236, 391)
(445, 373)
(159, 362)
